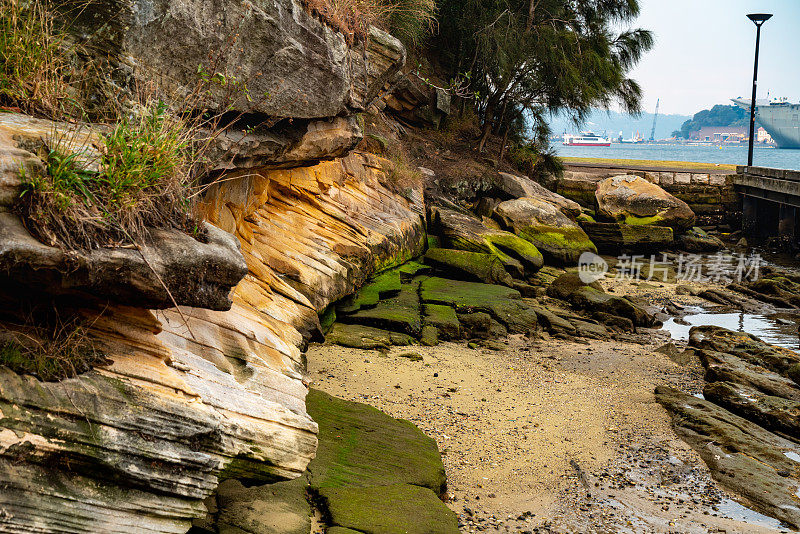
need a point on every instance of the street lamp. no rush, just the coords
(758, 19)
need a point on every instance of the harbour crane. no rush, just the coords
(655, 118)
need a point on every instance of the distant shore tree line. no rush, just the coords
(719, 115)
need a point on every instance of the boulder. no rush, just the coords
(513, 186)
(569, 287)
(697, 240)
(365, 337)
(632, 200)
(278, 59)
(473, 266)
(466, 232)
(613, 238)
(444, 319)
(556, 236)
(280, 508)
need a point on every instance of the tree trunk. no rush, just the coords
(503, 146)
(488, 121)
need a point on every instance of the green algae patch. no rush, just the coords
(585, 217)
(384, 284)
(560, 246)
(633, 220)
(395, 509)
(359, 337)
(327, 318)
(411, 269)
(444, 319)
(521, 250)
(475, 266)
(360, 446)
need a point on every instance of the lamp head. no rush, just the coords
(759, 18)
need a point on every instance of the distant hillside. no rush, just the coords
(719, 115)
(611, 123)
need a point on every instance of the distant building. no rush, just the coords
(720, 134)
(762, 136)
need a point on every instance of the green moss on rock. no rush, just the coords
(430, 336)
(400, 313)
(360, 446)
(476, 266)
(445, 320)
(396, 509)
(384, 284)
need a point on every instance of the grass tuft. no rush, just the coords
(134, 177)
(409, 20)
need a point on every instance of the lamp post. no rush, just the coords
(758, 19)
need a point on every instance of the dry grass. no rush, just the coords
(410, 20)
(49, 346)
(135, 177)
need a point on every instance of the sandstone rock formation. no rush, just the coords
(276, 58)
(633, 200)
(195, 396)
(520, 186)
(557, 237)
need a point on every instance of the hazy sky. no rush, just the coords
(704, 52)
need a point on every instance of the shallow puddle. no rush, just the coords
(779, 329)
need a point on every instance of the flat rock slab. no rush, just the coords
(365, 337)
(400, 313)
(741, 455)
(615, 237)
(360, 446)
(504, 304)
(280, 508)
(745, 346)
(382, 285)
(396, 509)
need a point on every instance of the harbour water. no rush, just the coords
(734, 155)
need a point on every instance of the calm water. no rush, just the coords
(735, 155)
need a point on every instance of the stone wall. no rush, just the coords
(711, 196)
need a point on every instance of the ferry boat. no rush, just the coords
(780, 119)
(585, 139)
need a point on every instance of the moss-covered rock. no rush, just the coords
(613, 238)
(396, 509)
(569, 287)
(560, 240)
(697, 240)
(280, 508)
(502, 303)
(360, 446)
(381, 286)
(444, 319)
(465, 232)
(430, 336)
(475, 266)
(400, 313)
(364, 337)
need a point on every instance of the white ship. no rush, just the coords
(779, 117)
(585, 139)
